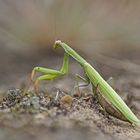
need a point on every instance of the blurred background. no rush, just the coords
(107, 32)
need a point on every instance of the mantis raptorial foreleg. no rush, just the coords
(43, 77)
(50, 74)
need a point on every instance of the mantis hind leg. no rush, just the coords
(49, 74)
(95, 89)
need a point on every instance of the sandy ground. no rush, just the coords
(24, 115)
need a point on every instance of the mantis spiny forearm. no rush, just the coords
(106, 91)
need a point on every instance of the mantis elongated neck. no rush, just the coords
(70, 51)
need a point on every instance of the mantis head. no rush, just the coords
(57, 44)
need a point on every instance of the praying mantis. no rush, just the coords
(107, 96)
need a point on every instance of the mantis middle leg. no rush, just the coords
(77, 85)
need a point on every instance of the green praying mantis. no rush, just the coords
(107, 96)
